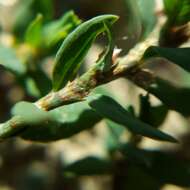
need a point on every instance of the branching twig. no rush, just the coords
(128, 66)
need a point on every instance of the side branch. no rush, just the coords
(77, 90)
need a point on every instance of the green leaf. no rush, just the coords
(105, 59)
(23, 11)
(10, 61)
(46, 7)
(33, 35)
(29, 113)
(179, 56)
(148, 18)
(24, 114)
(133, 19)
(26, 11)
(174, 97)
(75, 47)
(153, 115)
(32, 123)
(62, 123)
(90, 165)
(110, 109)
(178, 11)
(140, 21)
(31, 88)
(55, 31)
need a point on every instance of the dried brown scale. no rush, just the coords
(15, 121)
(42, 104)
(74, 93)
(13, 124)
(142, 77)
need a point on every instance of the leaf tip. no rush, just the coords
(171, 139)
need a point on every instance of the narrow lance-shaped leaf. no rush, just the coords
(179, 56)
(110, 109)
(153, 115)
(33, 35)
(105, 60)
(75, 47)
(174, 97)
(90, 165)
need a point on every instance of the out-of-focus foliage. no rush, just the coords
(28, 10)
(9, 61)
(177, 11)
(44, 58)
(140, 21)
(175, 30)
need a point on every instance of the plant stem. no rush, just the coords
(128, 66)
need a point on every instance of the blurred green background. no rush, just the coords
(25, 165)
